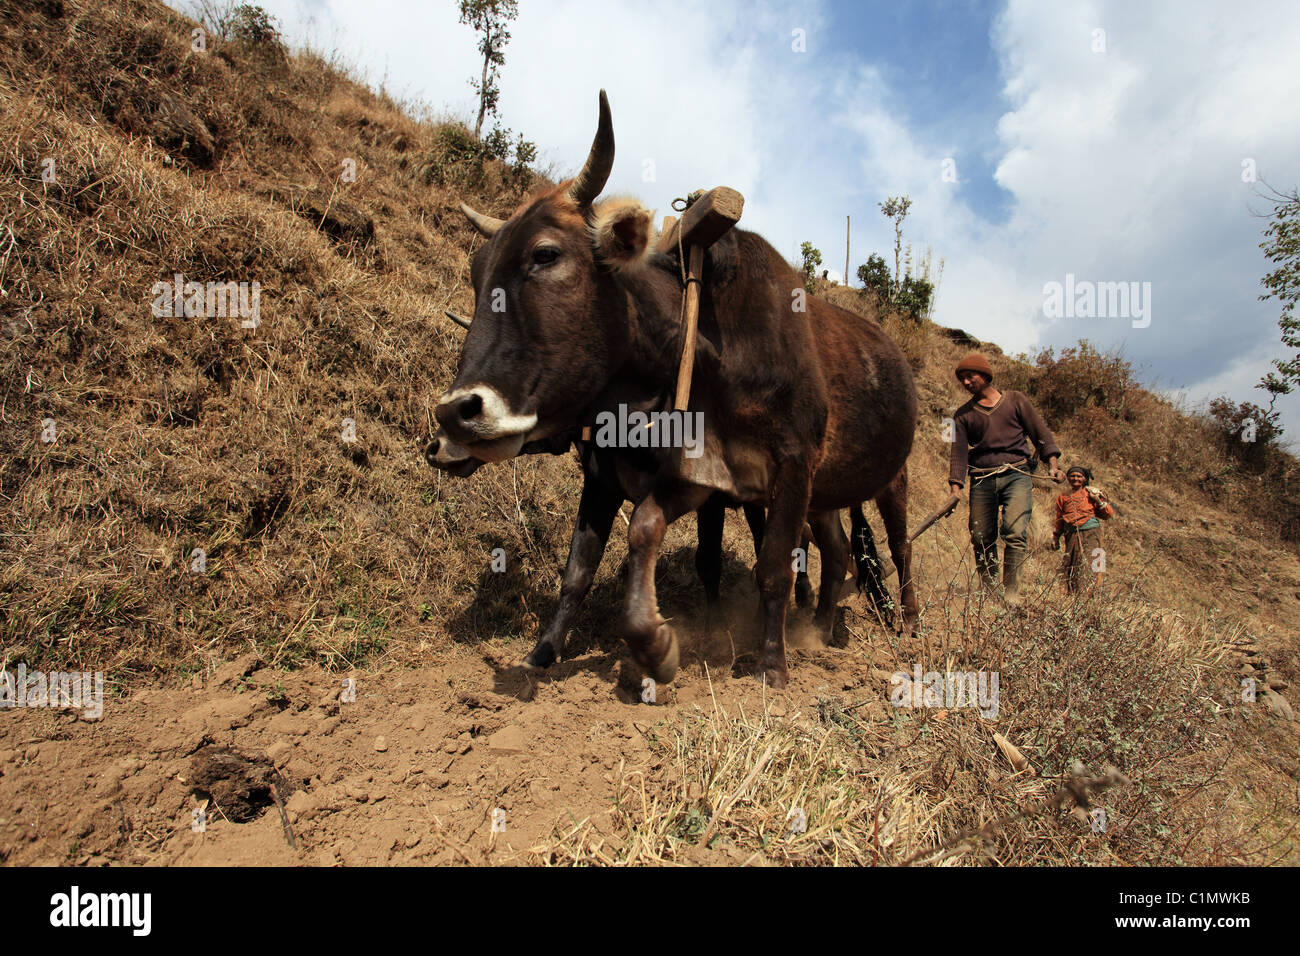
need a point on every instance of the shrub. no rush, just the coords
(1246, 432)
(255, 28)
(1080, 377)
(812, 258)
(874, 276)
(456, 158)
(914, 297)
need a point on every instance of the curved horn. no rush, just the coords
(600, 160)
(458, 319)
(487, 225)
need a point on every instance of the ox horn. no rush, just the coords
(587, 186)
(487, 225)
(459, 319)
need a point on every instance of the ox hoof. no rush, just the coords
(661, 657)
(775, 677)
(803, 592)
(542, 657)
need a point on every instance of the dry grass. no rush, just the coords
(176, 433)
(1090, 684)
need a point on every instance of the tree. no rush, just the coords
(895, 209)
(491, 18)
(914, 297)
(914, 294)
(874, 277)
(1249, 432)
(1282, 248)
(812, 258)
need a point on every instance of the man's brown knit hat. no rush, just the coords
(975, 362)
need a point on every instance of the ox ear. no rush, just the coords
(623, 233)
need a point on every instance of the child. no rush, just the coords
(1077, 511)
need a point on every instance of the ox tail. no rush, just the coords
(871, 577)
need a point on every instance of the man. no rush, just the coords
(994, 435)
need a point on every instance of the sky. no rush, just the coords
(1068, 142)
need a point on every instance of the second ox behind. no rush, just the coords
(807, 407)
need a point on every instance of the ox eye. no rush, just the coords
(545, 255)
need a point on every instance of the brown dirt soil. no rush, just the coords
(460, 737)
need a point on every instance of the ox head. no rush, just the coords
(550, 323)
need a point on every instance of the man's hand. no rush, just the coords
(1056, 542)
(954, 488)
(1054, 470)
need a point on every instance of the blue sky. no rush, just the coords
(1102, 140)
(940, 64)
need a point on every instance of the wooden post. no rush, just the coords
(846, 251)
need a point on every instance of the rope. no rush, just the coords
(1000, 469)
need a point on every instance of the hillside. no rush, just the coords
(234, 514)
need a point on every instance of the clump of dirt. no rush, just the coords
(239, 787)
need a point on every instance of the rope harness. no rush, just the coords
(977, 473)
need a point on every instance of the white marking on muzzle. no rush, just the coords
(495, 420)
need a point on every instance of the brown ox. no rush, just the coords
(808, 408)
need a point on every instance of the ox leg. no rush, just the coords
(596, 512)
(803, 592)
(829, 534)
(871, 578)
(892, 503)
(650, 639)
(756, 518)
(708, 556)
(775, 572)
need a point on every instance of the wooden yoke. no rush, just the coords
(703, 223)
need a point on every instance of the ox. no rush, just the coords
(808, 408)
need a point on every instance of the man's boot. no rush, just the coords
(1013, 560)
